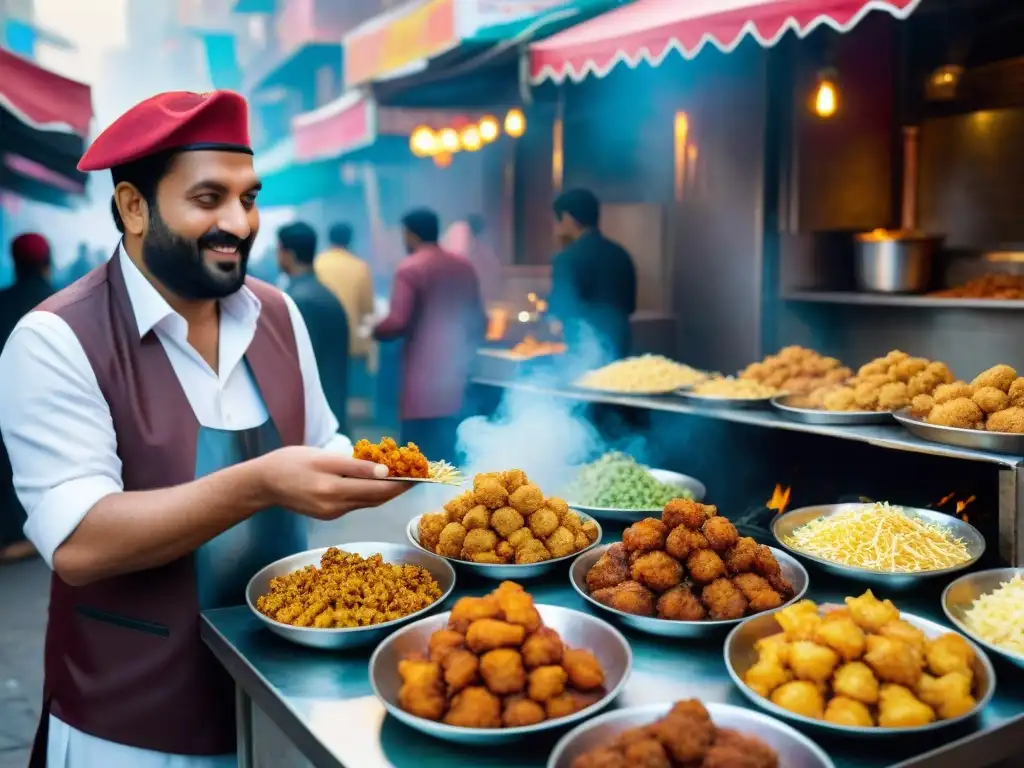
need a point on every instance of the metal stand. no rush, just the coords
(1011, 496)
(243, 728)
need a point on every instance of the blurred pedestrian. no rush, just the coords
(593, 283)
(325, 317)
(30, 253)
(436, 308)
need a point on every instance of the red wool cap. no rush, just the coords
(175, 120)
(30, 248)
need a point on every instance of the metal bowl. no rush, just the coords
(793, 748)
(578, 630)
(791, 569)
(696, 488)
(958, 597)
(740, 656)
(502, 571)
(782, 403)
(334, 639)
(975, 439)
(783, 525)
(724, 403)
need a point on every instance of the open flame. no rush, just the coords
(961, 504)
(780, 498)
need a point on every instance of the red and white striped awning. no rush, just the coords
(648, 30)
(42, 99)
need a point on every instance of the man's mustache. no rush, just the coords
(218, 238)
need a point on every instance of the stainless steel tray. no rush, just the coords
(696, 488)
(497, 571)
(791, 569)
(724, 403)
(958, 597)
(355, 636)
(793, 748)
(740, 656)
(975, 439)
(578, 630)
(781, 403)
(783, 525)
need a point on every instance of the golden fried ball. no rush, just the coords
(431, 526)
(572, 521)
(543, 523)
(580, 541)
(478, 517)
(990, 399)
(961, 412)
(559, 506)
(1010, 420)
(561, 542)
(533, 551)
(922, 405)
(513, 479)
(452, 538)
(480, 540)
(459, 506)
(506, 521)
(490, 492)
(946, 392)
(589, 530)
(839, 399)
(505, 551)
(520, 537)
(893, 396)
(999, 376)
(1016, 392)
(526, 499)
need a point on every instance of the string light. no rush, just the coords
(515, 123)
(488, 128)
(443, 159)
(826, 97)
(471, 140)
(449, 140)
(423, 142)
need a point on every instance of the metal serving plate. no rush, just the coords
(740, 656)
(783, 525)
(781, 403)
(791, 569)
(793, 748)
(578, 630)
(975, 439)
(958, 597)
(334, 639)
(693, 485)
(622, 393)
(724, 403)
(501, 572)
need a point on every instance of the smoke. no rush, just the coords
(547, 437)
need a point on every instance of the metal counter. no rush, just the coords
(895, 437)
(323, 703)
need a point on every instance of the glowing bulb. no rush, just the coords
(443, 159)
(524, 317)
(488, 128)
(449, 139)
(826, 99)
(423, 142)
(515, 123)
(471, 140)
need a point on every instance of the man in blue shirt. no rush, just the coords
(324, 315)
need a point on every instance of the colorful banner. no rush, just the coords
(425, 31)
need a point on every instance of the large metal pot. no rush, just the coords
(894, 262)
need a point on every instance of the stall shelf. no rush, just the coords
(1011, 468)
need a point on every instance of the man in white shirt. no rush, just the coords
(162, 366)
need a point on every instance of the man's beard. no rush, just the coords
(179, 265)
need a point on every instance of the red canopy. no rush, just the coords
(648, 29)
(42, 99)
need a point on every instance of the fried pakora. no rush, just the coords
(405, 461)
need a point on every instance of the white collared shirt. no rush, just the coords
(59, 434)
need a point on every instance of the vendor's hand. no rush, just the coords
(322, 484)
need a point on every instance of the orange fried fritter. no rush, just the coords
(628, 597)
(686, 512)
(469, 609)
(657, 571)
(723, 600)
(704, 566)
(542, 648)
(474, 707)
(643, 537)
(682, 541)
(720, 533)
(461, 669)
(584, 670)
(757, 590)
(740, 559)
(521, 711)
(488, 634)
(503, 671)
(443, 642)
(407, 461)
(960, 412)
(612, 568)
(680, 604)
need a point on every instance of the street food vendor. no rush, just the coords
(593, 282)
(161, 415)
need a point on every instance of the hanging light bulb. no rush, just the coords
(515, 123)
(826, 95)
(470, 138)
(443, 159)
(449, 140)
(423, 142)
(488, 128)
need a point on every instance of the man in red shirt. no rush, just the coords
(437, 310)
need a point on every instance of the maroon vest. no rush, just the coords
(124, 661)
